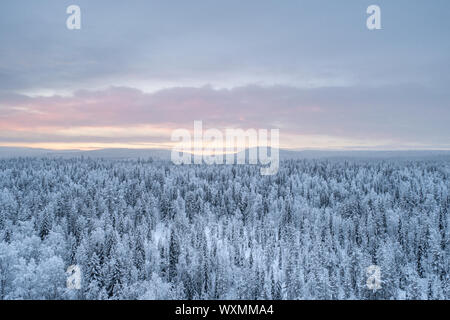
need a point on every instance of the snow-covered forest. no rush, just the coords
(143, 229)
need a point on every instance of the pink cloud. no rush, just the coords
(345, 113)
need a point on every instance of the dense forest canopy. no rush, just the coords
(144, 229)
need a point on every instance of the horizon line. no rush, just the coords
(345, 149)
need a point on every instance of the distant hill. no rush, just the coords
(361, 154)
(164, 154)
(13, 152)
(365, 154)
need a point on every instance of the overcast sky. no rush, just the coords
(139, 69)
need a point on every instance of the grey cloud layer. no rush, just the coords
(297, 42)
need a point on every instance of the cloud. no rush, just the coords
(310, 68)
(363, 115)
(226, 44)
